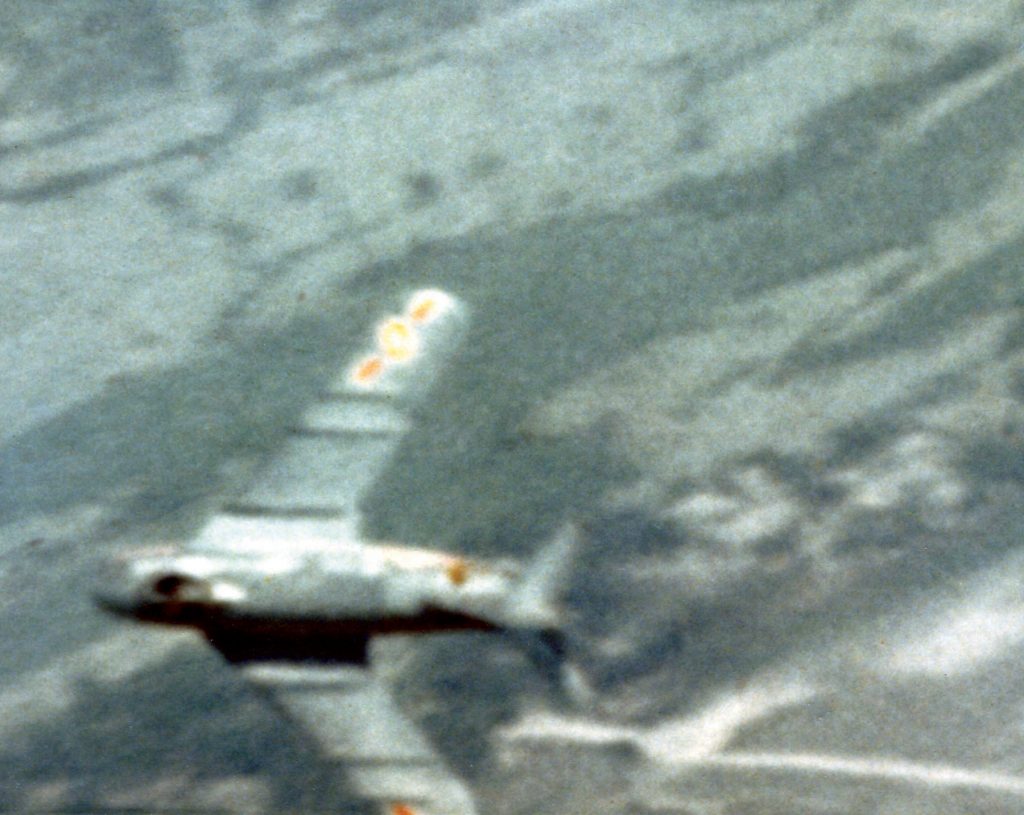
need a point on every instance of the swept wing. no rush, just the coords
(308, 496)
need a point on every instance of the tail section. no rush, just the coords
(548, 652)
(535, 604)
(536, 617)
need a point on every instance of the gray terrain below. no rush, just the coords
(747, 286)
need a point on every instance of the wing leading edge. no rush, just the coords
(340, 445)
(312, 490)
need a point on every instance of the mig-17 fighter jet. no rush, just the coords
(282, 583)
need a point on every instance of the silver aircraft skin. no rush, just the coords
(325, 600)
(283, 584)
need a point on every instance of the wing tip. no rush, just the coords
(427, 305)
(400, 338)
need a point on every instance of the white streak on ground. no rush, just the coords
(867, 767)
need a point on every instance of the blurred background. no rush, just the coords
(747, 279)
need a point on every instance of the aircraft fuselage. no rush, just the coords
(321, 603)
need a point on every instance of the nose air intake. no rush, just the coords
(170, 585)
(161, 596)
(180, 588)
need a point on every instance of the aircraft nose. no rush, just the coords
(115, 600)
(115, 592)
(117, 603)
(152, 586)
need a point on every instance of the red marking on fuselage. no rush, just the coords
(457, 571)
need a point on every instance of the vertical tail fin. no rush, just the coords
(535, 604)
(537, 620)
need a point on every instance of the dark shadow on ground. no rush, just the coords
(551, 302)
(685, 642)
(188, 716)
